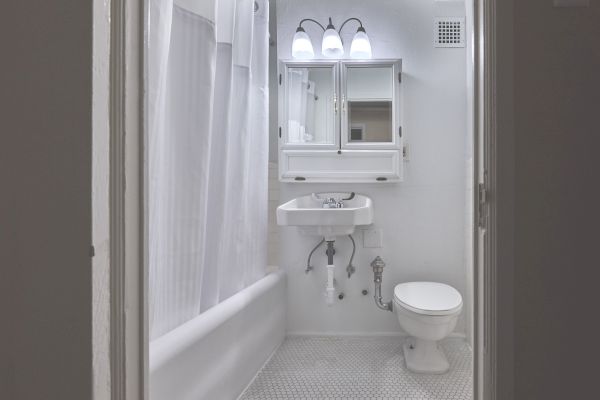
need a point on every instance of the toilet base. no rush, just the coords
(424, 356)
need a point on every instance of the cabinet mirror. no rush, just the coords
(369, 104)
(310, 105)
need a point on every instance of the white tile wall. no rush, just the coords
(273, 245)
(423, 218)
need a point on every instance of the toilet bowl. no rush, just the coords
(428, 312)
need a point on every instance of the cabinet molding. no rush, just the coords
(359, 166)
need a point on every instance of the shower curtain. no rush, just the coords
(208, 154)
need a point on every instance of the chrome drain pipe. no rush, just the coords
(330, 288)
(377, 264)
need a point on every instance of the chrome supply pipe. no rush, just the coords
(350, 269)
(377, 264)
(308, 266)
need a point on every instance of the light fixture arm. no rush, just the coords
(311, 20)
(360, 28)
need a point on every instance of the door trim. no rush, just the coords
(129, 280)
(494, 149)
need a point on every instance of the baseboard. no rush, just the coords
(456, 335)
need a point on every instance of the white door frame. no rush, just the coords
(128, 272)
(483, 180)
(129, 280)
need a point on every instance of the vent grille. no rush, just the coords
(449, 32)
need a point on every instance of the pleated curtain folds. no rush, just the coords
(207, 154)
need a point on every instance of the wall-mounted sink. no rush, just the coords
(312, 215)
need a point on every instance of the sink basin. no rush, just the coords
(307, 213)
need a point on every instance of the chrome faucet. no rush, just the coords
(333, 203)
(330, 203)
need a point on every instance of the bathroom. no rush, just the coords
(254, 293)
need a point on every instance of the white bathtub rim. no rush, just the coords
(173, 343)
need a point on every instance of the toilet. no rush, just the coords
(428, 312)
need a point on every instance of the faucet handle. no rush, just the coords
(351, 196)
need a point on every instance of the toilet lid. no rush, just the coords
(429, 298)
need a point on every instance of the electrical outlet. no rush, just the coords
(372, 238)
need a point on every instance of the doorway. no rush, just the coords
(482, 278)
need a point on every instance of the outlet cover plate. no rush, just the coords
(373, 238)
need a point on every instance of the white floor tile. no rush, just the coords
(351, 368)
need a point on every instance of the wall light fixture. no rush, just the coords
(331, 44)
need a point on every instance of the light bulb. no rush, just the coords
(332, 43)
(361, 46)
(301, 45)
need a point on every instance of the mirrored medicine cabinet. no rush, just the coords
(340, 121)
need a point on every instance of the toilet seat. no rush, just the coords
(428, 298)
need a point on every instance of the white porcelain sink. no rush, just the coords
(308, 214)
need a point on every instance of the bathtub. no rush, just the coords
(217, 354)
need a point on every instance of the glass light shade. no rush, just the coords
(332, 44)
(302, 46)
(361, 46)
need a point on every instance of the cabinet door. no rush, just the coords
(370, 117)
(309, 103)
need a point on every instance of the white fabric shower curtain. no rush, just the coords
(208, 154)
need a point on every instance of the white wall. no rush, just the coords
(273, 239)
(422, 218)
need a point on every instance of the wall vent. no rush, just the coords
(449, 32)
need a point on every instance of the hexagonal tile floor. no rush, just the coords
(358, 368)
